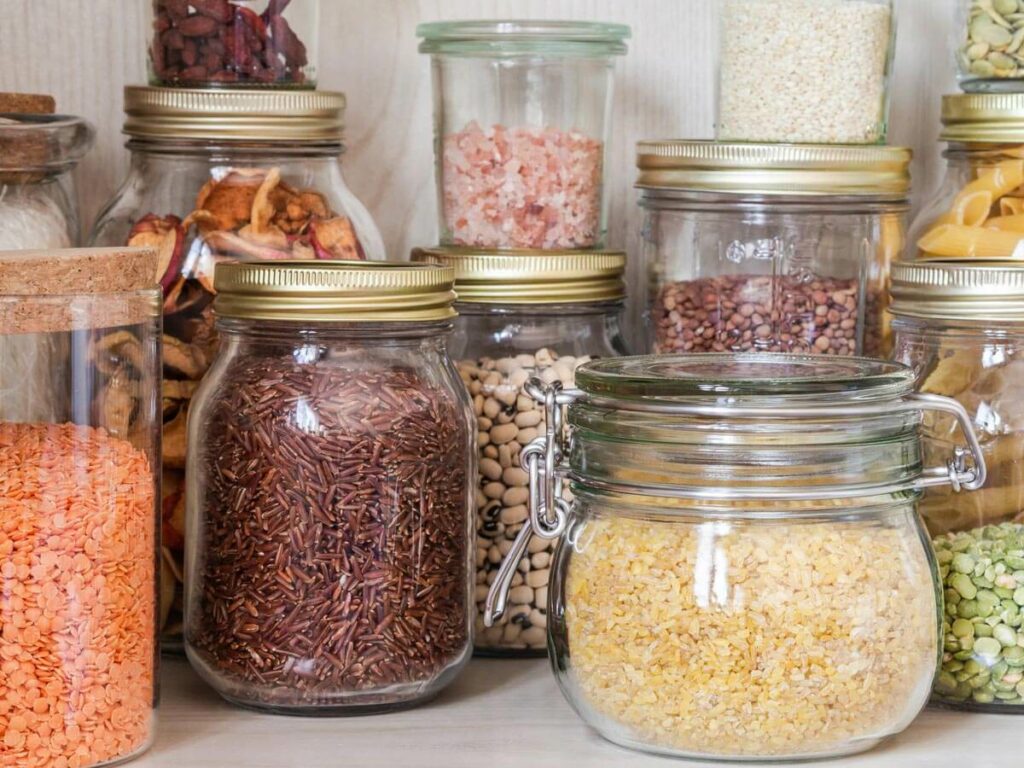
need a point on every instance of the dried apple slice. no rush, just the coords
(167, 235)
(335, 239)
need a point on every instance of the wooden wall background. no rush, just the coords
(85, 51)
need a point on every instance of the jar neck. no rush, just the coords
(970, 330)
(244, 331)
(212, 149)
(707, 201)
(964, 154)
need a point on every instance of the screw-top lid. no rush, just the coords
(532, 277)
(991, 118)
(958, 290)
(774, 169)
(296, 116)
(523, 37)
(334, 291)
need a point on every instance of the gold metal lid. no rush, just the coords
(983, 118)
(334, 291)
(300, 116)
(774, 169)
(959, 290)
(532, 277)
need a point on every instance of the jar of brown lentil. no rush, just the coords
(770, 248)
(529, 314)
(328, 565)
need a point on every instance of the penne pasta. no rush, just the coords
(957, 241)
(1014, 223)
(973, 205)
(1011, 206)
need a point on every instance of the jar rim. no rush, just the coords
(43, 143)
(521, 36)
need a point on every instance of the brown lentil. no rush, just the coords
(334, 528)
(758, 313)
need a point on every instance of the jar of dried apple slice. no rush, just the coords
(218, 176)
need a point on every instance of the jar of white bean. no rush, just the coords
(523, 315)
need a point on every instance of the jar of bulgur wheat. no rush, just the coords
(767, 248)
(520, 316)
(742, 573)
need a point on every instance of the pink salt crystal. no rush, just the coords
(522, 188)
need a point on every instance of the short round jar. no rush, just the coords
(742, 572)
(960, 325)
(233, 43)
(330, 491)
(989, 35)
(756, 247)
(537, 314)
(805, 71)
(522, 116)
(217, 176)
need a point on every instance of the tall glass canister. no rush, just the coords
(542, 314)
(522, 115)
(217, 176)
(79, 505)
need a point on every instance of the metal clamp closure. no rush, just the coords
(549, 510)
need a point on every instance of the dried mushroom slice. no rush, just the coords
(175, 440)
(117, 404)
(112, 352)
(953, 374)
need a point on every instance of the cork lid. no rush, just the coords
(76, 289)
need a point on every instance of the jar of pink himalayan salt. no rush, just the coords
(522, 121)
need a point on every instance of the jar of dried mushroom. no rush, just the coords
(764, 248)
(521, 111)
(742, 571)
(960, 325)
(233, 43)
(989, 40)
(330, 483)
(79, 506)
(977, 210)
(220, 176)
(805, 71)
(520, 316)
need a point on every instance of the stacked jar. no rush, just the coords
(234, 155)
(778, 235)
(959, 323)
(522, 112)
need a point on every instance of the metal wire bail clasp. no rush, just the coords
(549, 511)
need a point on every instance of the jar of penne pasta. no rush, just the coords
(978, 210)
(960, 326)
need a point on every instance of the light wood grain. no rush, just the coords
(499, 714)
(85, 52)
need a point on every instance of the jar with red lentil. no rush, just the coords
(522, 118)
(216, 176)
(742, 573)
(770, 248)
(523, 315)
(330, 490)
(79, 505)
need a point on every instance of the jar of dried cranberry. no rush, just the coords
(215, 176)
(770, 248)
(330, 490)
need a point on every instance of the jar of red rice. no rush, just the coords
(79, 505)
(522, 112)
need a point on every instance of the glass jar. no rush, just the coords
(774, 89)
(989, 34)
(233, 43)
(961, 327)
(978, 209)
(742, 573)
(79, 474)
(330, 491)
(770, 249)
(522, 113)
(38, 209)
(217, 176)
(523, 315)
